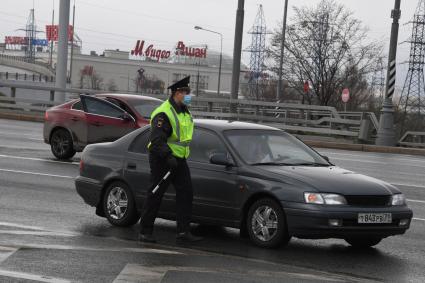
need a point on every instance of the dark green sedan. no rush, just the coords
(259, 179)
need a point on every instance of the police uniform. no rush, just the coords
(171, 133)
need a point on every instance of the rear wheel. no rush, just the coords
(363, 242)
(266, 224)
(119, 205)
(61, 144)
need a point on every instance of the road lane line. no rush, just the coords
(37, 159)
(36, 173)
(415, 200)
(81, 248)
(408, 185)
(419, 219)
(404, 158)
(16, 225)
(38, 233)
(33, 277)
(372, 162)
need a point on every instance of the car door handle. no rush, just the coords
(75, 119)
(97, 124)
(131, 165)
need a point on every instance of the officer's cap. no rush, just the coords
(183, 85)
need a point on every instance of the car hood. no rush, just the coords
(333, 180)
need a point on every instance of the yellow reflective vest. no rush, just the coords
(182, 124)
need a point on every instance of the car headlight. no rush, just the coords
(329, 199)
(398, 199)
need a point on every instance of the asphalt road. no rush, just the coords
(48, 234)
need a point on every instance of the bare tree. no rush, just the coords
(326, 46)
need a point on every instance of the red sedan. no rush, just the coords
(69, 127)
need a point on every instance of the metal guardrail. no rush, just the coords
(413, 139)
(322, 120)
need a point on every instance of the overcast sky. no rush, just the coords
(112, 24)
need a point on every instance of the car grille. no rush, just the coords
(368, 201)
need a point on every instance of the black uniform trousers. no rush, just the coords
(182, 182)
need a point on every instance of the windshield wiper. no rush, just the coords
(272, 163)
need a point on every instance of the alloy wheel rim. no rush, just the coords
(117, 203)
(60, 144)
(264, 223)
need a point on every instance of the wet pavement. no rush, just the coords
(48, 234)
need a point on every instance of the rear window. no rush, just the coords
(145, 107)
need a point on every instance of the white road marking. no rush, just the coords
(385, 155)
(16, 225)
(37, 159)
(135, 273)
(6, 252)
(36, 173)
(419, 219)
(81, 248)
(34, 277)
(38, 233)
(415, 200)
(408, 185)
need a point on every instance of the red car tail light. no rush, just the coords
(46, 116)
(81, 166)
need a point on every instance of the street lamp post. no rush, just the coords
(279, 83)
(386, 132)
(221, 54)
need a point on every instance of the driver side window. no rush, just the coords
(204, 144)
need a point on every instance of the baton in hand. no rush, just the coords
(160, 182)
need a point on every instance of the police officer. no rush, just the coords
(171, 132)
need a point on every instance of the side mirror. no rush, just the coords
(127, 117)
(221, 159)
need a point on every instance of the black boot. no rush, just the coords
(187, 237)
(146, 238)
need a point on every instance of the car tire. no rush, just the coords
(119, 205)
(261, 235)
(363, 243)
(61, 144)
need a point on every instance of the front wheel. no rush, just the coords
(363, 243)
(266, 224)
(119, 205)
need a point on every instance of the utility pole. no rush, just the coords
(237, 50)
(386, 132)
(72, 44)
(62, 54)
(282, 48)
(51, 40)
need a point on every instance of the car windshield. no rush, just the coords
(145, 107)
(269, 147)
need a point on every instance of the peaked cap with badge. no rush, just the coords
(183, 85)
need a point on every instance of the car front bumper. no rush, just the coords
(313, 221)
(90, 190)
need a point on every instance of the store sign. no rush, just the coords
(181, 49)
(190, 51)
(21, 40)
(52, 32)
(150, 51)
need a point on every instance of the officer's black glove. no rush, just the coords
(172, 162)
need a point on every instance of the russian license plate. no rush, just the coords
(375, 218)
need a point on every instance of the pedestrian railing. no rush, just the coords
(413, 139)
(311, 119)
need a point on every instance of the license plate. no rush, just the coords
(375, 218)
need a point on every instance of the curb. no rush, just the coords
(366, 147)
(22, 117)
